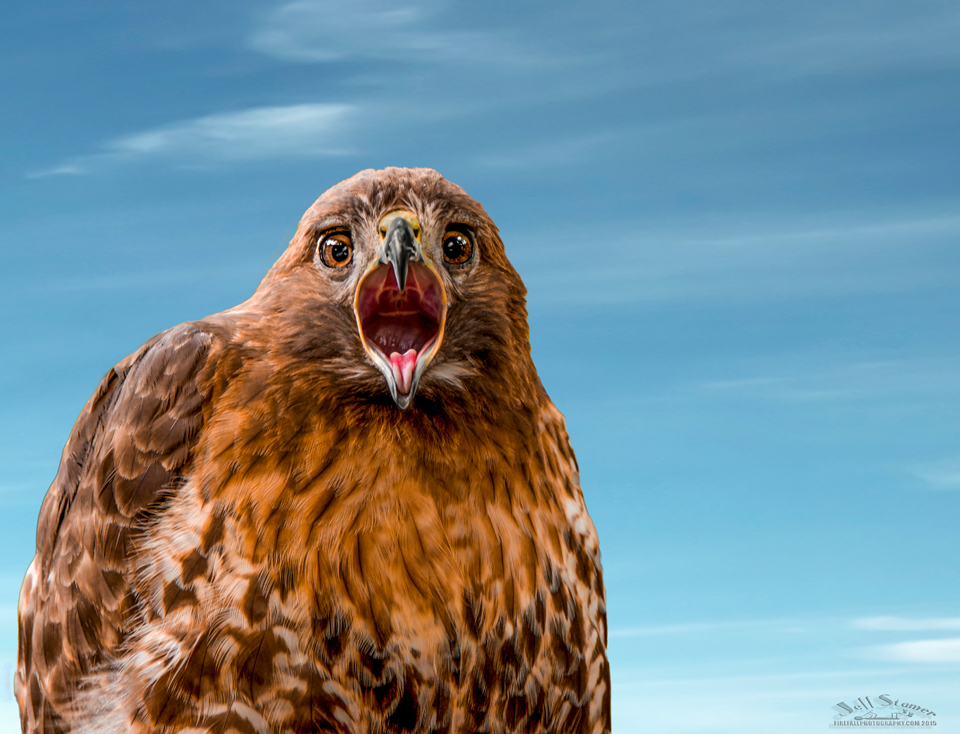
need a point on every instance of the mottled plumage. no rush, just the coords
(264, 522)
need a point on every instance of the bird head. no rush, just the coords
(397, 283)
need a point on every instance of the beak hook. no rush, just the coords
(400, 248)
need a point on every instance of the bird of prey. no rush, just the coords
(345, 505)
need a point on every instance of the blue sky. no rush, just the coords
(739, 226)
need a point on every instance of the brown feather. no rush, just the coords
(247, 534)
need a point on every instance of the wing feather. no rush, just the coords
(129, 447)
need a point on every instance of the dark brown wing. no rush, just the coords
(126, 453)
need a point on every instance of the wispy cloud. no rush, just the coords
(66, 169)
(946, 650)
(148, 279)
(302, 130)
(846, 40)
(943, 475)
(741, 676)
(853, 381)
(18, 488)
(562, 152)
(795, 40)
(787, 702)
(804, 389)
(904, 624)
(780, 263)
(792, 40)
(313, 31)
(693, 628)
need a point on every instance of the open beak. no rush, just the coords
(401, 307)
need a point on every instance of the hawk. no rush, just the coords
(345, 505)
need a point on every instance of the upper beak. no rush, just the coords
(400, 248)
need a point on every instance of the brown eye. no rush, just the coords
(336, 250)
(457, 248)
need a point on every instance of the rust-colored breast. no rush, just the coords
(370, 592)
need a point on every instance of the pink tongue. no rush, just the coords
(403, 366)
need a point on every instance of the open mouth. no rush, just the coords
(401, 329)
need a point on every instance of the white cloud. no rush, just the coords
(792, 40)
(792, 390)
(783, 262)
(941, 480)
(845, 40)
(845, 381)
(302, 130)
(321, 30)
(67, 169)
(786, 679)
(920, 651)
(260, 132)
(792, 702)
(149, 279)
(561, 152)
(906, 624)
(699, 627)
(326, 30)
(18, 488)
(943, 475)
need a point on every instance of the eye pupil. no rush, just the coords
(457, 249)
(340, 252)
(336, 251)
(453, 247)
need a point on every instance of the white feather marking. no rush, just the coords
(451, 372)
(255, 719)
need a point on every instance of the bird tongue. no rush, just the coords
(403, 366)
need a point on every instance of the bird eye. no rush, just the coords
(457, 247)
(336, 250)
